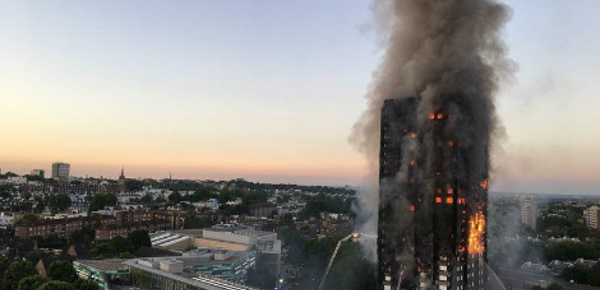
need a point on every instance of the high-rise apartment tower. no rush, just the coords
(432, 200)
(60, 170)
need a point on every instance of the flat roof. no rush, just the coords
(202, 282)
(104, 265)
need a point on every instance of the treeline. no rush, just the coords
(22, 275)
(315, 205)
(286, 187)
(583, 275)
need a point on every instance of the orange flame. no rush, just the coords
(484, 184)
(476, 232)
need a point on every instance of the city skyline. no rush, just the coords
(270, 93)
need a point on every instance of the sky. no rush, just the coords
(268, 90)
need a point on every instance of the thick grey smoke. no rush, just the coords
(447, 53)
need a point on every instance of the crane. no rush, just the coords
(337, 248)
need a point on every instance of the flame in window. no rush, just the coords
(484, 184)
(476, 233)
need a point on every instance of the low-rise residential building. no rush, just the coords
(59, 227)
(107, 232)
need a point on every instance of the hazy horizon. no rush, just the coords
(216, 89)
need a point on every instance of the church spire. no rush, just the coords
(122, 173)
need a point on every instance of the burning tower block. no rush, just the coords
(433, 194)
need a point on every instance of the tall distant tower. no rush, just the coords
(122, 176)
(432, 200)
(61, 170)
(122, 180)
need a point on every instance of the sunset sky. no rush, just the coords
(267, 90)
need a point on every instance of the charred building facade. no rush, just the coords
(432, 198)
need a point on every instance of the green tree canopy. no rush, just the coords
(196, 222)
(28, 218)
(17, 271)
(57, 285)
(62, 271)
(133, 185)
(121, 244)
(59, 202)
(31, 282)
(139, 238)
(100, 200)
(81, 284)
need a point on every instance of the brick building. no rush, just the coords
(110, 231)
(121, 223)
(60, 227)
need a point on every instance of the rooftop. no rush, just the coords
(201, 282)
(104, 265)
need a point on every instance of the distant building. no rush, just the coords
(7, 219)
(62, 228)
(38, 172)
(592, 217)
(263, 209)
(102, 272)
(266, 243)
(219, 263)
(132, 220)
(17, 180)
(122, 180)
(529, 211)
(61, 170)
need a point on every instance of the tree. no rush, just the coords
(175, 197)
(28, 219)
(139, 238)
(34, 177)
(10, 174)
(100, 200)
(555, 286)
(102, 248)
(196, 222)
(31, 282)
(6, 190)
(81, 284)
(62, 271)
(133, 185)
(17, 271)
(4, 264)
(121, 244)
(126, 255)
(59, 202)
(35, 256)
(82, 236)
(56, 285)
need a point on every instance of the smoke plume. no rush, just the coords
(449, 54)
